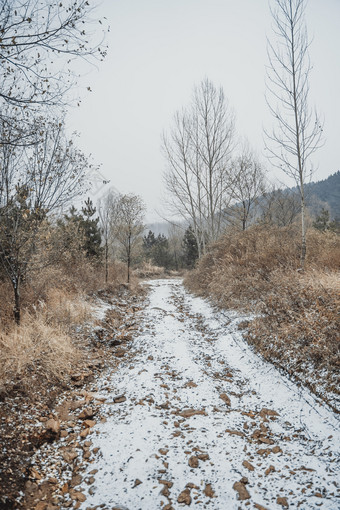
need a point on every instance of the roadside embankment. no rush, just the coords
(296, 324)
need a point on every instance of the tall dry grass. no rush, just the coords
(297, 313)
(55, 303)
(243, 267)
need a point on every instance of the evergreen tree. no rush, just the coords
(149, 241)
(88, 228)
(322, 221)
(190, 247)
(91, 229)
(160, 252)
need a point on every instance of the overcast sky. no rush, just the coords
(159, 49)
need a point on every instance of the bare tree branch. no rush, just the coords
(298, 129)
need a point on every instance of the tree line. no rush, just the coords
(41, 170)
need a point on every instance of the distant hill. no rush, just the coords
(327, 192)
(321, 194)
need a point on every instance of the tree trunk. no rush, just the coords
(129, 259)
(303, 232)
(17, 303)
(106, 262)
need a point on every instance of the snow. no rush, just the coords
(184, 340)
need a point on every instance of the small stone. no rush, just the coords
(242, 491)
(119, 399)
(53, 425)
(283, 502)
(208, 491)
(203, 456)
(247, 465)
(269, 470)
(137, 482)
(86, 413)
(193, 462)
(225, 399)
(184, 497)
(89, 423)
(163, 451)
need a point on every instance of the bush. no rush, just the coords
(297, 320)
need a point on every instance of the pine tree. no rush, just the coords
(90, 226)
(190, 247)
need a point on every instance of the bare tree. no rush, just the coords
(280, 207)
(197, 151)
(299, 130)
(38, 41)
(105, 208)
(248, 185)
(34, 181)
(127, 215)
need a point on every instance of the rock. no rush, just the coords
(192, 486)
(235, 432)
(184, 497)
(190, 384)
(53, 426)
(120, 353)
(203, 456)
(69, 456)
(42, 505)
(208, 491)
(247, 465)
(35, 474)
(84, 433)
(80, 497)
(187, 413)
(225, 399)
(283, 502)
(89, 423)
(76, 480)
(165, 482)
(119, 399)
(193, 462)
(137, 482)
(86, 414)
(269, 470)
(242, 491)
(276, 449)
(267, 412)
(163, 451)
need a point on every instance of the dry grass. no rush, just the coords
(148, 270)
(55, 303)
(297, 324)
(35, 349)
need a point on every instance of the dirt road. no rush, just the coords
(201, 421)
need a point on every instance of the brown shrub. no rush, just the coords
(242, 267)
(55, 301)
(35, 349)
(297, 313)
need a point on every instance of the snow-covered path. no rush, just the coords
(205, 422)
